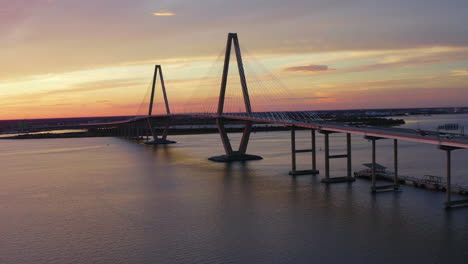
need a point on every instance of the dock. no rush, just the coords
(428, 181)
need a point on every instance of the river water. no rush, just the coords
(111, 200)
(431, 122)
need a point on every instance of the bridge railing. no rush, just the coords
(300, 116)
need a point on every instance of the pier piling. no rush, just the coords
(294, 151)
(451, 203)
(328, 179)
(392, 187)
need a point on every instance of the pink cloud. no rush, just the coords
(307, 68)
(399, 98)
(16, 11)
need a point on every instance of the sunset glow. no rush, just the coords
(78, 58)
(164, 13)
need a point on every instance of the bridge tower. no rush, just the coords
(162, 139)
(240, 154)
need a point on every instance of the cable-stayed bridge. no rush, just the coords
(150, 125)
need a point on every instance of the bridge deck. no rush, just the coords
(382, 132)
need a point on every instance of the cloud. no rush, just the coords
(394, 59)
(12, 12)
(76, 89)
(412, 61)
(436, 55)
(402, 97)
(459, 72)
(106, 84)
(164, 13)
(47, 44)
(422, 83)
(303, 98)
(95, 86)
(307, 68)
(104, 102)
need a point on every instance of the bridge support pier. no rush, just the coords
(132, 131)
(141, 132)
(293, 171)
(240, 154)
(396, 182)
(231, 155)
(451, 203)
(391, 187)
(159, 140)
(349, 177)
(163, 139)
(138, 132)
(135, 131)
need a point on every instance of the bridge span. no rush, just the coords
(148, 125)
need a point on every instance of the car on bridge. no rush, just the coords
(421, 132)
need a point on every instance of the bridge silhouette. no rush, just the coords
(157, 126)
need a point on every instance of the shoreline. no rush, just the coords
(176, 131)
(355, 121)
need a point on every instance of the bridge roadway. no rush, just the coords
(428, 137)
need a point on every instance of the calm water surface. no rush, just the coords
(431, 122)
(109, 200)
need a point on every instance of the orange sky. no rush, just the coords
(63, 58)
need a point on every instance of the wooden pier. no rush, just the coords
(428, 181)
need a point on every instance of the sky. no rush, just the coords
(69, 58)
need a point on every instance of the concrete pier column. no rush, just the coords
(245, 137)
(327, 156)
(224, 137)
(166, 129)
(232, 155)
(160, 139)
(314, 152)
(373, 166)
(348, 154)
(395, 164)
(293, 150)
(348, 177)
(374, 187)
(451, 203)
(140, 132)
(449, 177)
